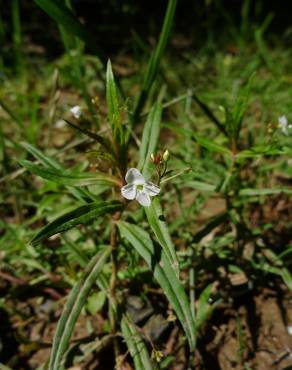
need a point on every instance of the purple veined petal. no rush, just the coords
(134, 176)
(143, 198)
(151, 189)
(129, 191)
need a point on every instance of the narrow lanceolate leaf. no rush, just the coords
(73, 307)
(136, 345)
(45, 160)
(150, 137)
(155, 59)
(165, 274)
(65, 177)
(80, 215)
(159, 227)
(265, 191)
(50, 162)
(114, 114)
(205, 308)
(103, 141)
(63, 16)
(211, 145)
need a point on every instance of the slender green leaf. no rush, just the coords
(159, 227)
(114, 114)
(68, 178)
(155, 58)
(101, 140)
(73, 307)
(63, 16)
(255, 192)
(210, 114)
(80, 215)
(44, 159)
(12, 114)
(199, 185)
(205, 308)
(136, 345)
(50, 162)
(266, 150)
(150, 137)
(164, 273)
(210, 145)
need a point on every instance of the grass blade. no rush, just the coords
(73, 307)
(165, 274)
(80, 215)
(136, 345)
(150, 137)
(155, 59)
(63, 16)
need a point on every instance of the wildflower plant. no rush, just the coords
(128, 183)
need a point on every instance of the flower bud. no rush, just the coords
(165, 155)
(152, 157)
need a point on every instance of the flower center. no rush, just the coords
(140, 187)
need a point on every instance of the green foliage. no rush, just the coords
(73, 307)
(136, 345)
(165, 273)
(114, 114)
(149, 138)
(69, 178)
(159, 227)
(63, 16)
(80, 215)
(155, 59)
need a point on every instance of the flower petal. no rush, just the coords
(76, 111)
(134, 176)
(129, 191)
(151, 189)
(283, 121)
(143, 198)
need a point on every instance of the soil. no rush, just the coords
(250, 333)
(253, 331)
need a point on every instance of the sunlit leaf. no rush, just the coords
(150, 137)
(164, 273)
(159, 227)
(114, 114)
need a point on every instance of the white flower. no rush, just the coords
(138, 188)
(283, 125)
(76, 111)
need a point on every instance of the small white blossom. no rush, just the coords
(138, 188)
(284, 125)
(76, 111)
